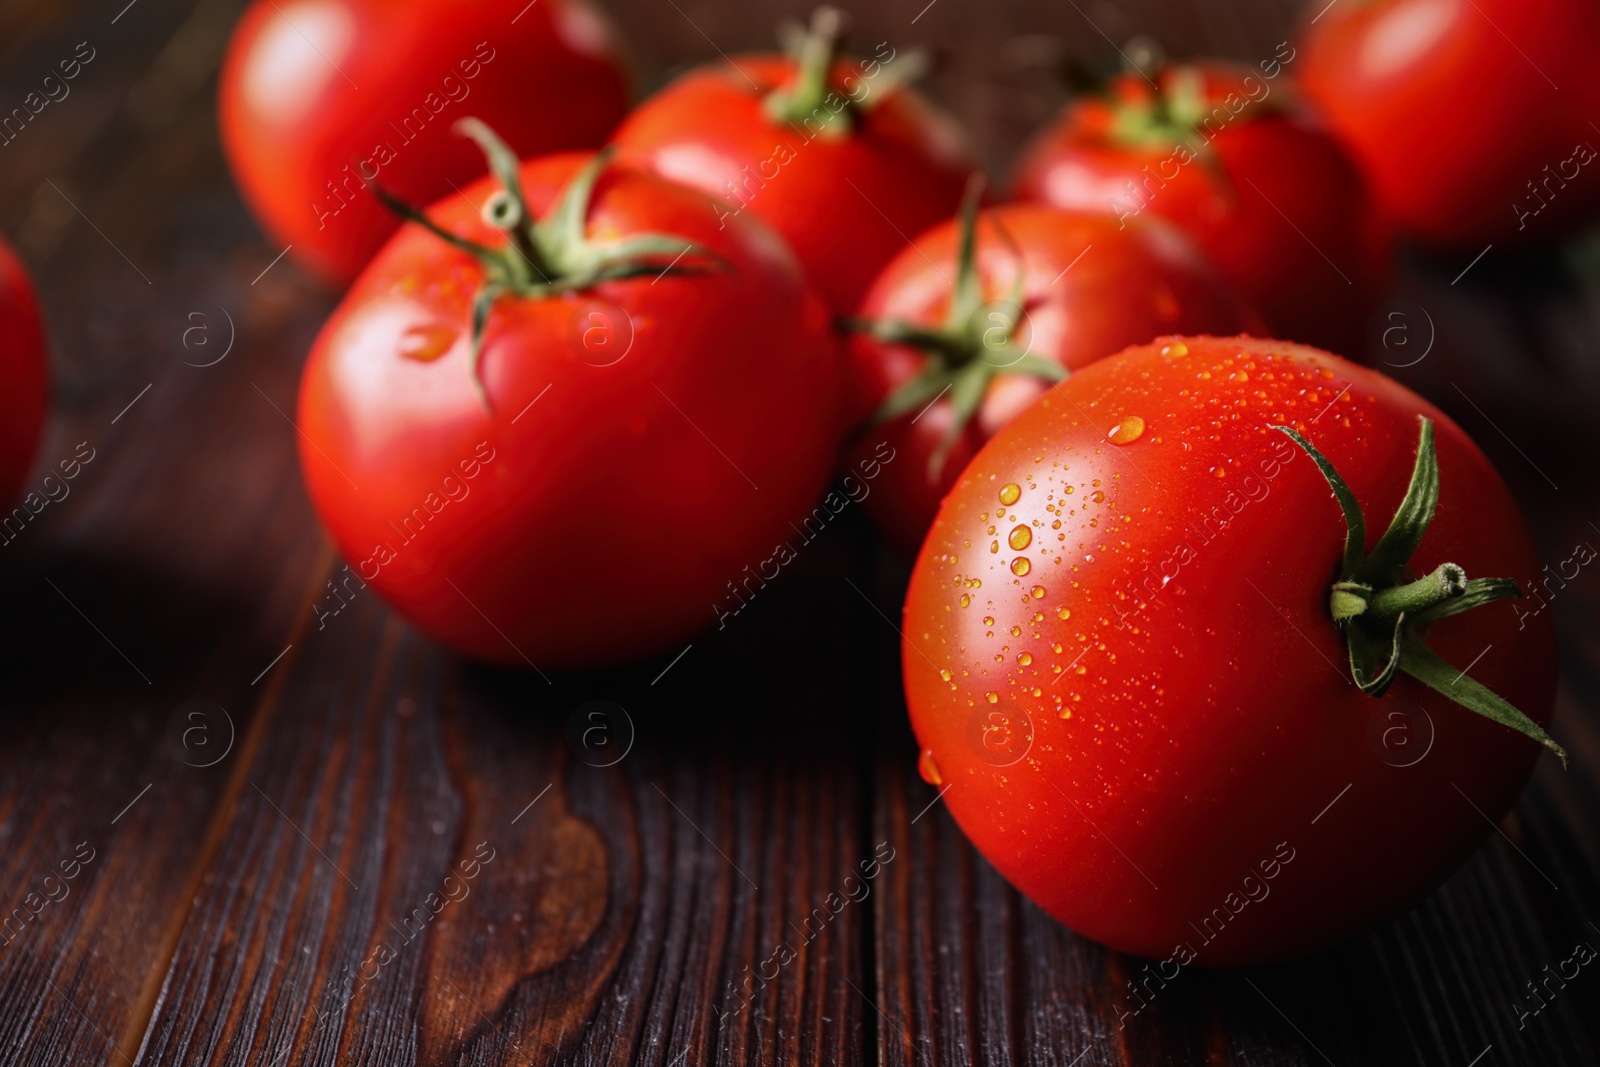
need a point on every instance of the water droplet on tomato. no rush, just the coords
(1020, 538)
(1098, 496)
(1024, 658)
(427, 343)
(927, 768)
(1037, 592)
(1063, 613)
(1177, 350)
(1021, 566)
(1127, 431)
(1010, 493)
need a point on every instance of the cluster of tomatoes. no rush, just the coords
(1163, 677)
(1149, 656)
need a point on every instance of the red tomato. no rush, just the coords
(492, 519)
(1059, 288)
(840, 157)
(1267, 195)
(1471, 118)
(317, 95)
(24, 374)
(1121, 660)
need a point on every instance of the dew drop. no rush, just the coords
(966, 600)
(1037, 592)
(1063, 613)
(1098, 496)
(427, 343)
(1010, 493)
(1024, 658)
(1021, 566)
(1020, 538)
(993, 698)
(927, 768)
(1127, 431)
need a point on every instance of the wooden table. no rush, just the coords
(252, 802)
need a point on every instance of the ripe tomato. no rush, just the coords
(1121, 659)
(317, 96)
(1268, 196)
(1471, 118)
(589, 490)
(24, 374)
(1037, 292)
(839, 156)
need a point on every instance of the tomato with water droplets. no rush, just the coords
(1176, 749)
(554, 446)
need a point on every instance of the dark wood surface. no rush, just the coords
(266, 800)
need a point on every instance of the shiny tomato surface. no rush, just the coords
(1088, 286)
(845, 200)
(1472, 118)
(639, 443)
(1120, 661)
(317, 96)
(1255, 181)
(24, 374)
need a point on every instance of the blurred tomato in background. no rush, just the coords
(319, 96)
(1474, 120)
(1223, 153)
(24, 375)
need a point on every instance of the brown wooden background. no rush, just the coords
(264, 800)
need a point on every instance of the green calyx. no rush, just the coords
(1383, 612)
(543, 257)
(975, 345)
(805, 98)
(1170, 115)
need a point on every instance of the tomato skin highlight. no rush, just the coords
(316, 95)
(1090, 288)
(604, 502)
(906, 160)
(1269, 196)
(1453, 107)
(24, 373)
(1211, 721)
